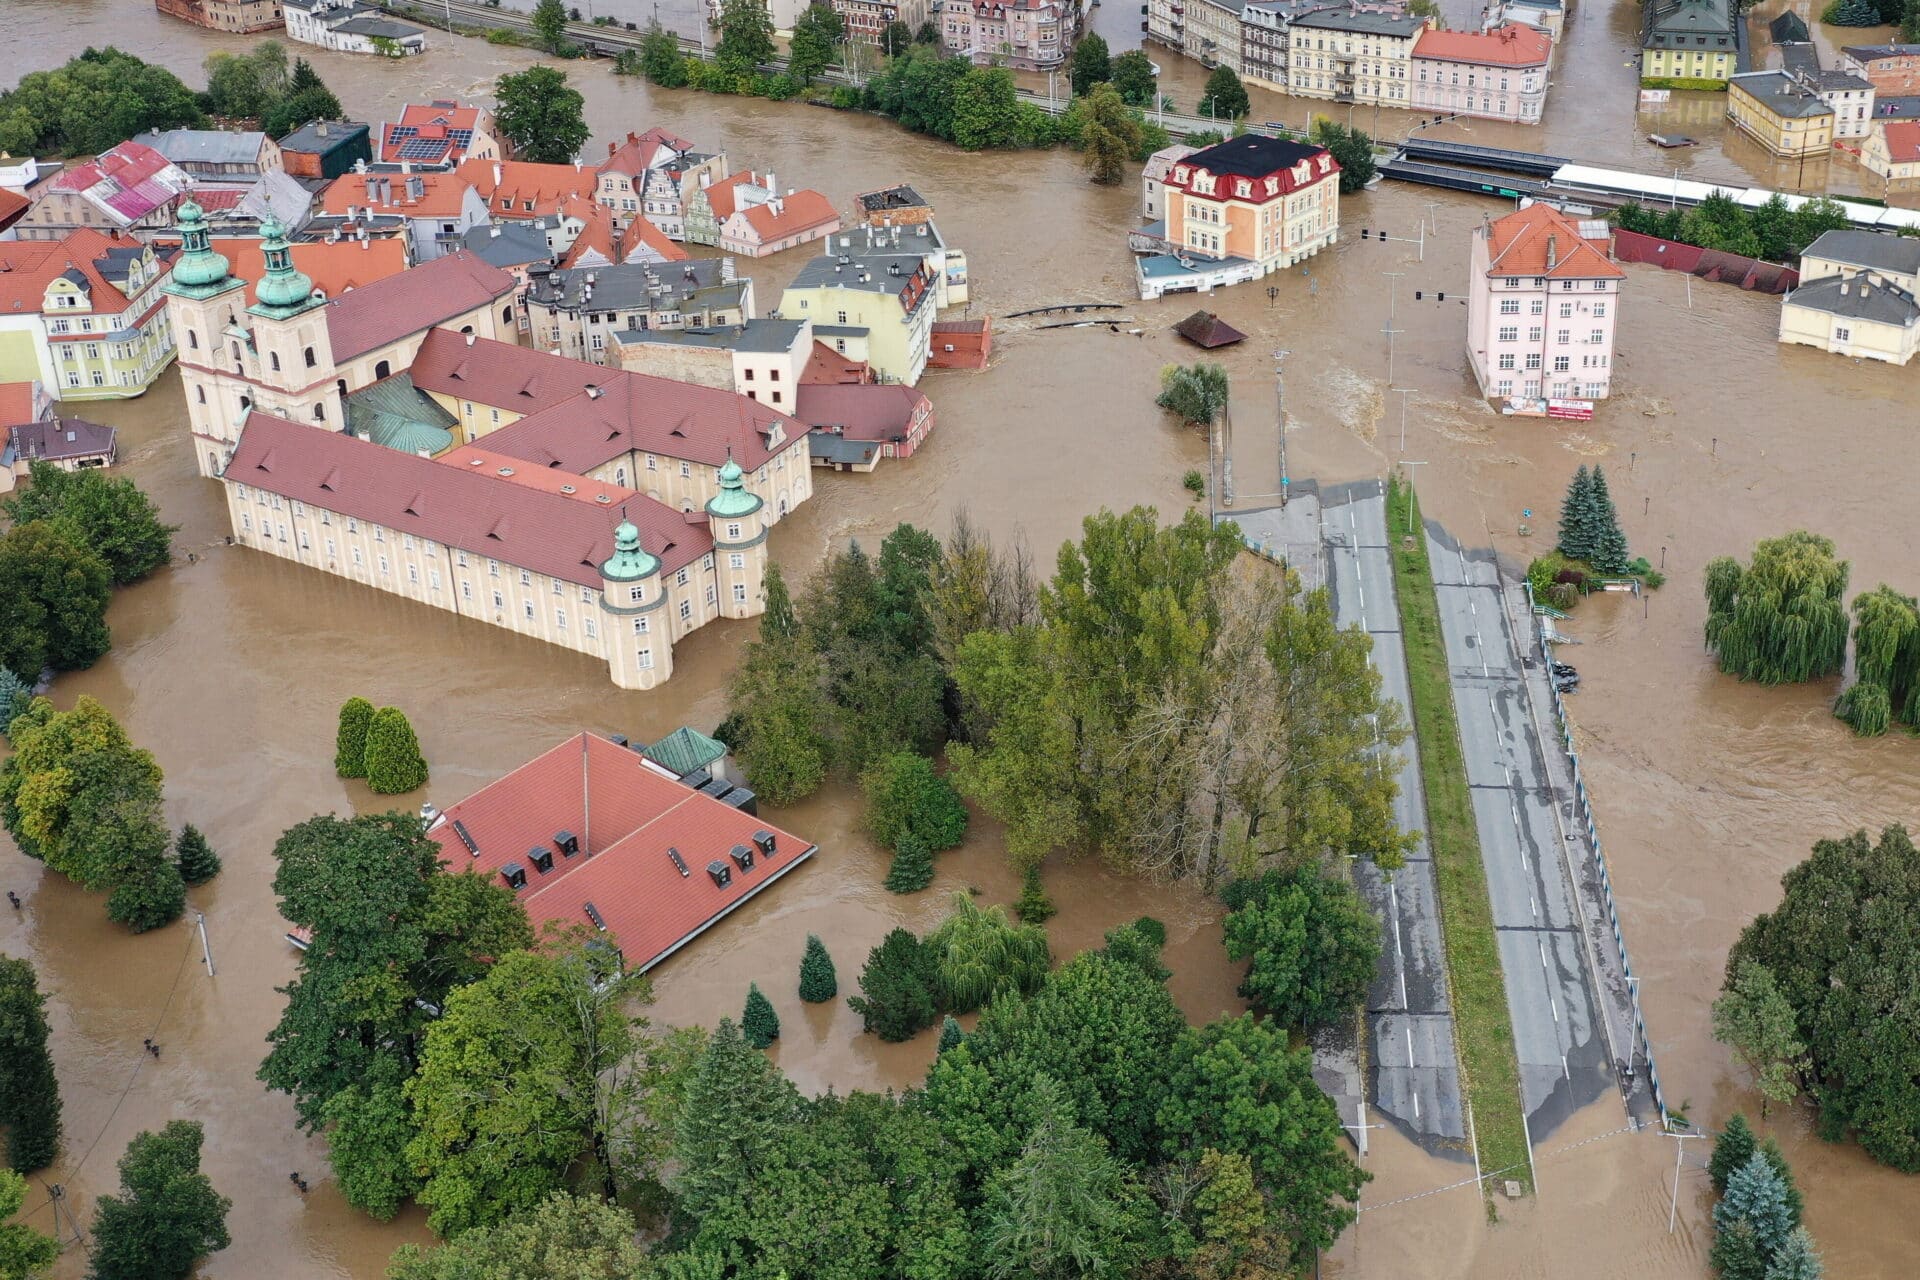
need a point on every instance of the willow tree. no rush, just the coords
(1781, 619)
(1886, 657)
(980, 955)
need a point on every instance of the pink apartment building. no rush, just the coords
(1027, 35)
(1544, 298)
(1497, 75)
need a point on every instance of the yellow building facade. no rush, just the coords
(1779, 114)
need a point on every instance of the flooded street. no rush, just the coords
(1707, 790)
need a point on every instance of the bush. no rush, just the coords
(1195, 483)
(350, 739)
(908, 800)
(15, 694)
(153, 896)
(896, 988)
(195, 858)
(980, 955)
(1687, 83)
(500, 35)
(759, 1023)
(1312, 944)
(1033, 905)
(394, 763)
(818, 982)
(912, 867)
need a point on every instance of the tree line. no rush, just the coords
(1757, 1232)
(1771, 232)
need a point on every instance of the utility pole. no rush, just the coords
(1405, 463)
(1403, 393)
(1280, 422)
(1392, 300)
(1680, 1146)
(63, 1219)
(206, 951)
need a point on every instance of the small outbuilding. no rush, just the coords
(1207, 330)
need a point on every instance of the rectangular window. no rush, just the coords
(460, 559)
(739, 593)
(1566, 309)
(712, 595)
(498, 603)
(1510, 333)
(1562, 363)
(383, 565)
(685, 469)
(413, 574)
(331, 553)
(680, 578)
(736, 561)
(640, 626)
(379, 534)
(593, 632)
(1509, 306)
(557, 588)
(528, 607)
(406, 539)
(493, 568)
(646, 659)
(1533, 359)
(560, 619)
(1599, 310)
(466, 591)
(1506, 361)
(686, 610)
(1538, 306)
(1841, 333)
(356, 558)
(1597, 336)
(1561, 337)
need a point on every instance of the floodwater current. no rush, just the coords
(230, 667)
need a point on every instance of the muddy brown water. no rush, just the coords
(230, 669)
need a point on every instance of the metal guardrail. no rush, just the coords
(1583, 810)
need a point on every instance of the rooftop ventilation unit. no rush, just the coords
(742, 857)
(716, 787)
(515, 875)
(566, 842)
(743, 799)
(679, 863)
(541, 858)
(460, 829)
(593, 914)
(764, 839)
(722, 873)
(697, 779)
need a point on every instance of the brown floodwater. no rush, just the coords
(230, 669)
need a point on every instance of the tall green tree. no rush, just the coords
(896, 39)
(908, 800)
(350, 739)
(53, 601)
(1576, 517)
(1196, 393)
(167, 1215)
(1754, 1019)
(1090, 64)
(817, 981)
(1065, 1208)
(817, 35)
(1733, 1146)
(660, 58)
(394, 763)
(541, 116)
(986, 112)
(979, 955)
(110, 517)
(1782, 618)
(24, 1252)
(1736, 1253)
(1755, 1195)
(1796, 1258)
(247, 85)
(1609, 543)
(1225, 97)
(549, 22)
(759, 1023)
(564, 1237)
(746, 37)
(94, 102)
(1110, 135)
(1350, 148)
(29, 1092)
(1311, 944)
(1886, 657)
(735, 1109)
(897, 988)
(1844, 950)
(150, 892)
(779, 715)
(194, 857)
(1133, 78)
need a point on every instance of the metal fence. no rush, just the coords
(1583, 812)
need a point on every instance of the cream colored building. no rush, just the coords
(1856, 297)
(1213, 33)
(1353, 56)
(1892, 150)
(1781, 112)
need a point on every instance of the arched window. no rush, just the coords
(200, 394)
(342, 384)
(310, 360)
(620, 476)
(236, 352)
(274, 356)
(466, 328)
(320, 413)
(246, 403)
(506, 315)
(382, 369)
(193, 340)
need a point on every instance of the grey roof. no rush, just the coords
(832, 447)
(1778, 93)
(1678, 20)
(865, 270)
(635, 286)
(307, 137)
(370, 25)
(1862, 52)
(1789, 28)
(1880, 302)
(1372, 24)
(509, 243)
(205, 146)
(1871, 249)
(897, 197)
(1801, 58)
(840, 331)
(395, 413)
(285, 198)
(755, 336)
(57, 440)
(1897, 107)
(1837, 81)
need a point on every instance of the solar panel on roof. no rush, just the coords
(460, 829)
(422, 149)
(679, 862)
(401, 131)
(593, 914)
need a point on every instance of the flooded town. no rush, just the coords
(407, 460)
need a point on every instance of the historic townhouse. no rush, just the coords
(85, 315)
(1543, 300)
(1028, 35)
(1698, 40)
(131, 190)
(1353, 55)
(440, 208)
(241, 17)
(440, 134)
(1498, 75)
(577, 311)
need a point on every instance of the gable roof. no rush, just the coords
(1897, 254)
(471, 508)
(334, 267)
(205, 146)
(859, 411)
(387, 310)
(510, 244)
(1903, 140)
(55, 440)
(1521, 243)
(641, 152)
(790, 215)
(442, 195)
(92, 259)
(641, 233)
(431, 133)
(626, 817)
(127, 183)
(723, 196)
(1514, 45)
(503, 375)
(508, 186)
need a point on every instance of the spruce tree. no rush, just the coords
(818, 982)
(15, 694)
(759, 1023)
(1756, 1195)
(195, 858)
(1576, 528)
(734, 1111)
(1796, 1259)
(1609, 548)
(896, 995)
(350, 740)
(912, 868)
(1736, 1252)
(1033, 905)
(951, 1033)
(1731, 1151)
(29, 1093)
(1795, 1202)
(394, 763)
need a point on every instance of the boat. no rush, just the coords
(1672, 140)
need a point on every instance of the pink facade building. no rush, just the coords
(1498, 75)
(1028, 35)
(1544, 299)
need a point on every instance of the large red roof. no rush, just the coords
(335, 267)
(875, 411)
(451, 501)
(1903, 140)
(27, 267)
(509, 186)
(1541, 241)
(438, 132)
(640, 151)
(625, 817)
(441, 195)
(501, 374)
(1513, 45)
(800, 212)
(387, 310)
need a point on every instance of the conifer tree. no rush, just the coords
(759, 1023)
(1795, 1202)
(1608, 553)
(912, 868)
(732, 1115)
(1796, 1259)
(350, 740)
(1576, 525)
(29, 1093)
(951, 1033)
(195, 858)
(818, 982)
(1033, 905)
(1756, 1195)
(1736, 1252)
(394, 763)
(1731, 1151)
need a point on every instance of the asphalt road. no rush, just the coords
(1565, 1060)
(1415, 1077)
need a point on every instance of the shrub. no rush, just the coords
(951, 1033)
(759, 1023)
(394, 763)
(350, 740)
(194, 857)
(818, 982)
(1033, 905)
(980, 955)
(896, 988)
(908, 800)
(1195, 483)
(912, 867)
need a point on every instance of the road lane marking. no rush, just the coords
(1565, 1074)
(1399, 949)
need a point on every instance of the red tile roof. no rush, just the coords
(28, 266)
(1521, 243)
(508, 185)
(12, 205)
(1903, 141)
(442, 195)
(827, 367)
(470, 508)
(636, 155)
(883, 411)
(800, 212)
(625, 817)
(386, 311)
(721, 195)
(641, 232)
(334, 268)
(501, 374)
(131, 181)
(1513, 45)
(16, 403)
(430, 122)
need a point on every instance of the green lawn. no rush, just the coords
(1481, 1023)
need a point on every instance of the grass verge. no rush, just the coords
(1482, 1025)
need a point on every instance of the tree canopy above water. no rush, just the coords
(1780, 619)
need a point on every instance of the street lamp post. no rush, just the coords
(1280, 422)
(1405, 463)
(1390, 331)
(1403, 393)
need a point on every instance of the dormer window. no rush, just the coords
(1242, 187)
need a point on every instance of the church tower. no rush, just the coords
(639, 644)
(291, 356)
(204, 298)
(737, 517)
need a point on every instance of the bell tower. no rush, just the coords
(639, 645)
(203, 299)
(291, 354)
(737, 517)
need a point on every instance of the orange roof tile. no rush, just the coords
(28, 266)
(16, 403)
(334, 268)
(1903, 140)
(12, 205)
(1539, 240)
(1513, 45)
(634, 156)
(442, 195)
(509, 186)
(721, 195)
(801, 211)
(596, 236)
(641, 232)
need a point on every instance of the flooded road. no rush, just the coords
(231, 669)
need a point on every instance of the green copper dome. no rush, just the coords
(629, 561)
(199, 268)
(733, 501)
(284, 288)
